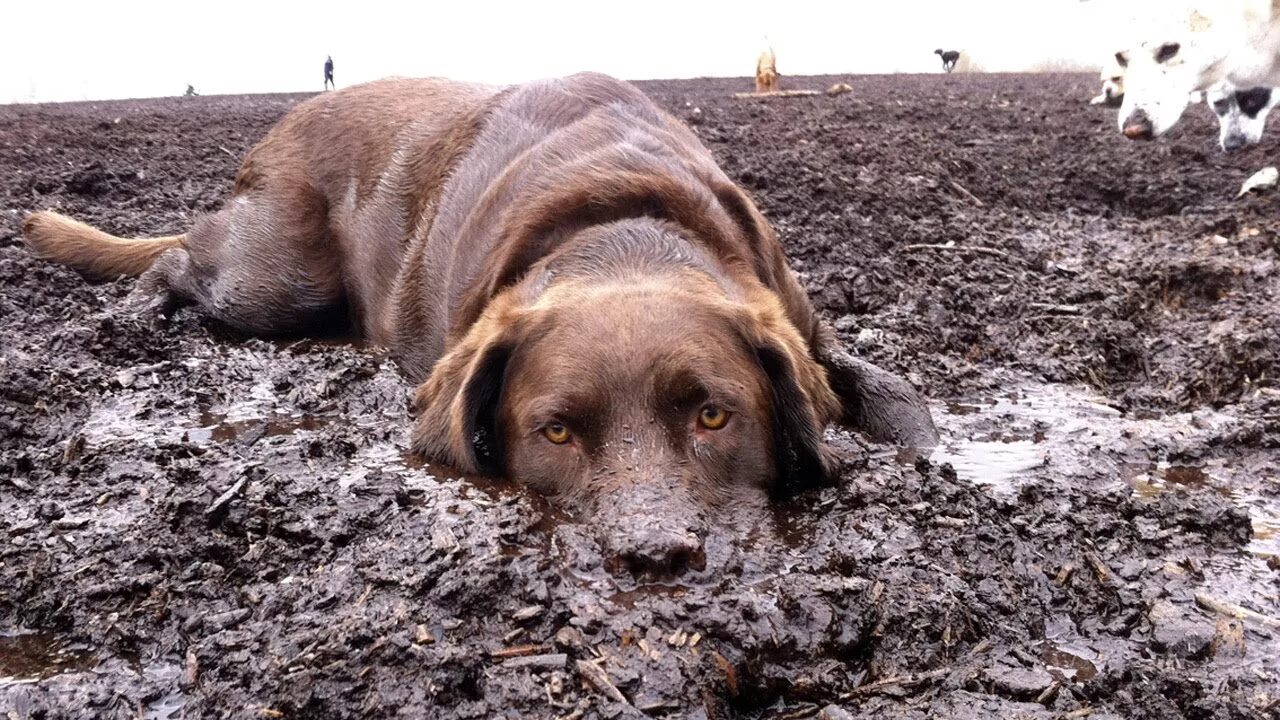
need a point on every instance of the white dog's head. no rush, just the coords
(1184, 51)
(1242, 114)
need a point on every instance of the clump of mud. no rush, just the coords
(200, 525)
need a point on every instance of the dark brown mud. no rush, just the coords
(202, 526)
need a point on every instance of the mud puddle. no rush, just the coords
(28, 657)
(1041, 431)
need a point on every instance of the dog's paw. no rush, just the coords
(146, 306)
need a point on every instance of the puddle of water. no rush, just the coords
(34, 656)
(1151, 481)
(167, 706)
(1000, 440)
(987, 462)
(218, 428)
(996, 441)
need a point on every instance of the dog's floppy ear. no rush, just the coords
(874, 401)
(457, 405)
(803, 403)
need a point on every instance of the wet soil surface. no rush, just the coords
(197, 525)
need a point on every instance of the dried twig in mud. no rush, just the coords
(225, 498)
(1230, 609)
(1059, 309)
(897, 680)
(518, 651)
(1100, 568)
(965, 192)
(599, 679)
(977, 249)
(301, 654)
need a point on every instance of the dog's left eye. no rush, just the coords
(1167, 51)
(713, 417)
(556, 433)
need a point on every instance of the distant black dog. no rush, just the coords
(949, 58)
(328, 74)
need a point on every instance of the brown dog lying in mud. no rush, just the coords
(592, 307)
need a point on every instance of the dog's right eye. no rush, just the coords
(556, 433)
(1122, 59)
(1222, 106)
(1167, 51)
(713, 417)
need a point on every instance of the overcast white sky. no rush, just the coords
(54, 50)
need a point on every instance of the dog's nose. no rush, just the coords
(659, 554)
(1138, 126)
(1233, 142)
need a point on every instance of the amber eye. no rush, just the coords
(556, 433)
(712, 417)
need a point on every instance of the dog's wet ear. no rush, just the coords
(803, 403)
(457, 405)
(874, 401)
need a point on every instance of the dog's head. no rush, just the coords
(1112, 76)
(638, 384)
(1242, 114)
(1183, 51)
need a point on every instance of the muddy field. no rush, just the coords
(197, 525)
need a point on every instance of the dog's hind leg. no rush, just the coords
(266, 265)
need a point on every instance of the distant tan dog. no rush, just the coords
(767, 72)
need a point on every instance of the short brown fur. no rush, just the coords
(561, 253)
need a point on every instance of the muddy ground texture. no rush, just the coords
(202, 526)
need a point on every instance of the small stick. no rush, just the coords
(904, 680)
(517, 651)
(225, 498)
(959, 248)
(1230, 609)
(228, 152)
(599, 679)
(1049, 307)
(961, 189)
(296, 658)
(776, 93)
(1099, 568)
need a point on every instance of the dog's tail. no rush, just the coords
(55, 237)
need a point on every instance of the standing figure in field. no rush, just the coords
(767, 72)
(949, 58)
(328, 74)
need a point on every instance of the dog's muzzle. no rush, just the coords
(1138, 126)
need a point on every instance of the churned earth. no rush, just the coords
(199, 525)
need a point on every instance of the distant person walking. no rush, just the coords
(328, 74)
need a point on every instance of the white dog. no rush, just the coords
(1242, 114)
(1191, 46)
(1112, 86)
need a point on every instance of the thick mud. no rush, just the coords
(197, 525)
